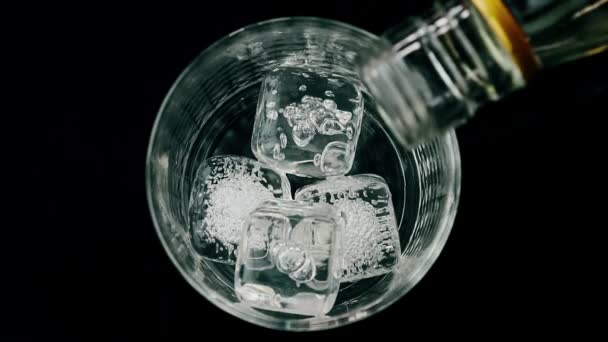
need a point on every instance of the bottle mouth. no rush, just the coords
(431, 74)
(399, 105)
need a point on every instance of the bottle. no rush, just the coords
(432, 73)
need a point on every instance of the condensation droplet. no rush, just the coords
(276, 151)
(317, 159)
(272, 114)
(349, 132)
(329, 104)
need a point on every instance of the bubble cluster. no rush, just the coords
(314, 115)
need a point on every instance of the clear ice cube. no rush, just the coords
(300, 112)
(286, 259)
(370, 238)
(225, 190)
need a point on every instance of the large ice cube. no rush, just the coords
(286, 258)
(301, 112)
(226, 189)
(371, 238)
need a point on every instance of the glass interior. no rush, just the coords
(210, 110)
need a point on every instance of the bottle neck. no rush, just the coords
(562, 31)
(433, 72)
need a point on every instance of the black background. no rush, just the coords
(521, 254)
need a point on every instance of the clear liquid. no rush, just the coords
(376, 153)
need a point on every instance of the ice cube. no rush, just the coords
(371, 239)
(225, 190)
(301, 111)
(287, 257)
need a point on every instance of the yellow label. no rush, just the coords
(511, 35)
